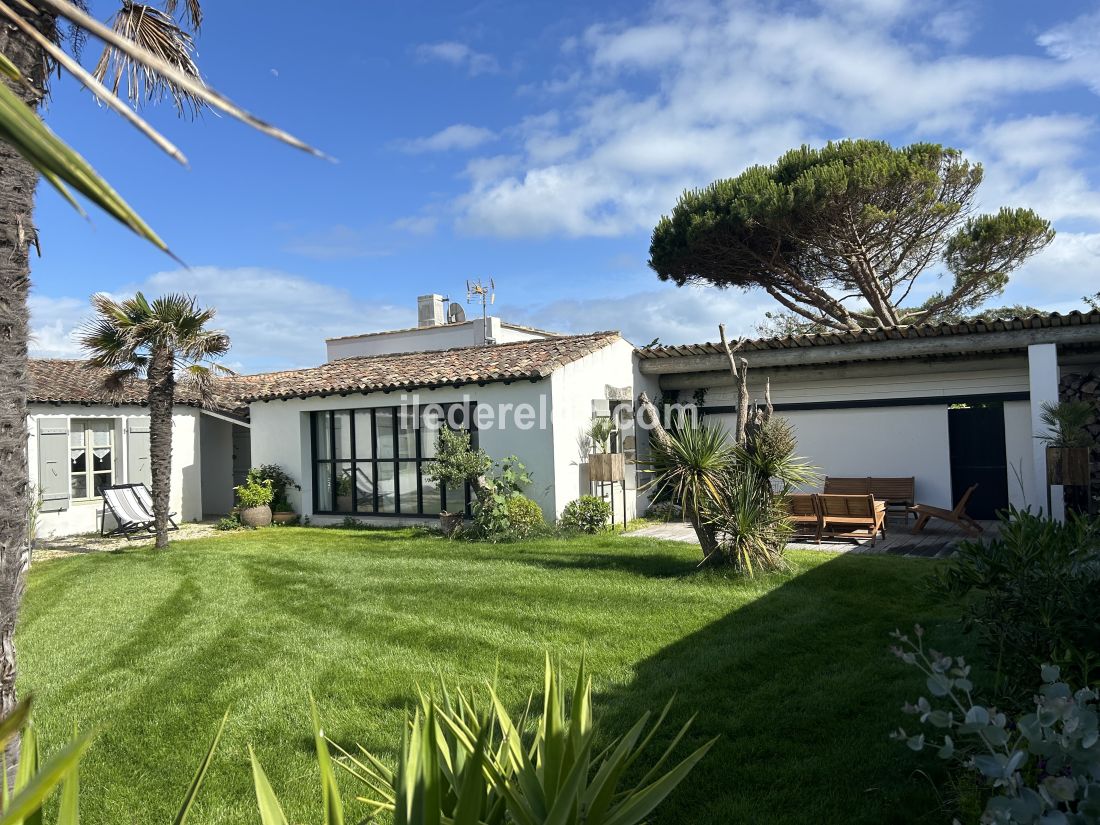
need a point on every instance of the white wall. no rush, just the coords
(1019, 440)
(281, 434)
(470, 333)
(84, 516)
(216, 452)
(575, 387)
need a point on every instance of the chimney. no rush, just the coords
(429, 311)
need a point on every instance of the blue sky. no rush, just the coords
(538, 142)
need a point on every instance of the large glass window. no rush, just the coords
(375, 460)
(91, 456)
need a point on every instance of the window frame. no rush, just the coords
(88, 447)
(419, 461)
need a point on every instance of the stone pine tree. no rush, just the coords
(146, 56)
(840, 236)
(160, 342)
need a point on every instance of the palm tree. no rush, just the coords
(156, 341)
(148, 51)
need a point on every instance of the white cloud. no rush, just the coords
(461, 136)
(276, 320)
(727, 85)
(458, 54)
(1077, 42)
(416, 224)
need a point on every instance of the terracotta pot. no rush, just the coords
(256, 516)
(449, 523)
(1068, 465)
(284, 518)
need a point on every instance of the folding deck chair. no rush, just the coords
(127, 503)
(926, 512)
(146, 499)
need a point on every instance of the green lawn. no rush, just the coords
(790, 670)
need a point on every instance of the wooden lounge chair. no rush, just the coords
(804, 514)
(958, 516)
(852, 516)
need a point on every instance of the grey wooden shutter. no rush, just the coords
(137, 451)
(53, 464)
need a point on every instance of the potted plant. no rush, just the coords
(281, 482)
(1068, 442)
(457, 463)
(254, 501)
(603, 465)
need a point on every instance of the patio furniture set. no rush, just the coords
(858, 508)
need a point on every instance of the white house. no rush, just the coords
(359, 431)
(81, 437)
(951, 405)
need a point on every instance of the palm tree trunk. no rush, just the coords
(162, 391)
(17, 183)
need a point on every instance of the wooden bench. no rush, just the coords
(851, 516)
(899, 493)
(804, 515)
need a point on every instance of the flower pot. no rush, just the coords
(1068, 465)
(449, 523)
(284, 518)
(256, 516)
(606, 467)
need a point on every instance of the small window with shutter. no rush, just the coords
(91, 456)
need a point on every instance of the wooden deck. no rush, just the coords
(937, 540)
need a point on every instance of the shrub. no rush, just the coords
(254, 493)
(752, 526)
(587, 514)
(524, 516)
(456, 462)
(1041, 768)
(1032, 596)
(664, 511)
(230, 522)
(280, 483)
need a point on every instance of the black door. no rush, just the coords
(977, 437)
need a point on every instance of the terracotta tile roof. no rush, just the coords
(72, 381)
(516, 361)
(971, 327)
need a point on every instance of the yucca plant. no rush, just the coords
(691, 467)
(480, 765)
(752, 525)
(1067, 424)
(769, 454)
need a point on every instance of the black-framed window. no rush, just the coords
(374, 460)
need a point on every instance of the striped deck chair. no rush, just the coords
(146, 499)
(129, 513)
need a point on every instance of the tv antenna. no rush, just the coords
(487, 295)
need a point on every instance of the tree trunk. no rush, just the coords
(17, 183)
(162, 391)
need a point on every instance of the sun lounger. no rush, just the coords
(146, 499)
(131, 505)
(957, 516)
(852, 516)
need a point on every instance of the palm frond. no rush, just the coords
(157, 34)
(193, 9)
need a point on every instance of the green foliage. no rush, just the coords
(599, 434)
(280, 483)
(858, 219)
(769, 455)
(492, 509)
(254, 492)
(467, 761)
(1032, 596)
(752, 525)
(1041, 768)
(587, 514)
(456, 462)
(524, 516)
(693, 466)
(1067, 424)
(226, 523)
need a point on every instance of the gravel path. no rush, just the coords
(62, 546)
